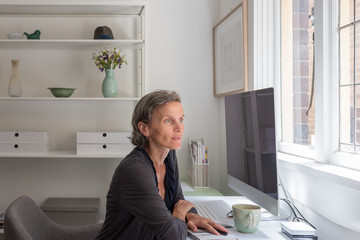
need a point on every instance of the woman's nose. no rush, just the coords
(179, 127)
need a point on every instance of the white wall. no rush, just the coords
(181, 60)
(328, 196)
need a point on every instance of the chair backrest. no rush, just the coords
(24, 220)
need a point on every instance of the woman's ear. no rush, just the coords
(143, 128)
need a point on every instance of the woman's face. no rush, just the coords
(166, 127)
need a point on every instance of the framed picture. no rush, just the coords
(230, 52)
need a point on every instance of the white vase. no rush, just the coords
(14, 88)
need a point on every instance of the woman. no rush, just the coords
(145, 199)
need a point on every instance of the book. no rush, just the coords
(202, 234)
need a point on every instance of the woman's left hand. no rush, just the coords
(195, 221)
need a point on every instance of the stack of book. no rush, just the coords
(298, 231)
(198, 173)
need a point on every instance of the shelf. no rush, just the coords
(46, 7)
(4, 43)
(65, 99)
(68, 26)
(61, 154)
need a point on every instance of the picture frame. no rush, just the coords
(230, 60)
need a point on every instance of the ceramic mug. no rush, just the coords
(246, 217)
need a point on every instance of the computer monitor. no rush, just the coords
(251, 147)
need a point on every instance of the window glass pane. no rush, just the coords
(357, 115)
(357, 52)
(298, 118)
(349, 102)
(347, 55)
(347, 12)
(347, 124)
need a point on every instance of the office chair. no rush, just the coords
(24, 220)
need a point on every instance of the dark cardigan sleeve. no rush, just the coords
(179, 193)
(139, 195)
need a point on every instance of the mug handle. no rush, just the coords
(252, 220)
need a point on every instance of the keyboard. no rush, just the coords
(215, 210)
(205, 211)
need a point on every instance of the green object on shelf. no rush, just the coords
(62, 92)
(109, 85)
(35, 35)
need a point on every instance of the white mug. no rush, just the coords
(246, 217)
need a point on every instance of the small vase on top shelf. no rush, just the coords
(14, 88)
(108, 61)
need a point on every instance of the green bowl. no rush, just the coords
(62, 92)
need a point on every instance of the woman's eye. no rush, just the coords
(168, 120)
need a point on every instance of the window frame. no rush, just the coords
(326, 92)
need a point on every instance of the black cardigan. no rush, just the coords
(134, 208)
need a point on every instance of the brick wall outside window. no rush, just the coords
(304, 125)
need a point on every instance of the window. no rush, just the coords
(349, 84)
(298, 98)
(322, 123)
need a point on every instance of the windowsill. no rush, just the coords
(340, 175)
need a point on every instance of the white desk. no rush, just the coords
(266, 230)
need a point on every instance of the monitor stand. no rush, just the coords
(285, 213)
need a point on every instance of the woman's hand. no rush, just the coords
(195, 221)
(181, 208)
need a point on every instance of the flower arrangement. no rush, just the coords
(106, 59)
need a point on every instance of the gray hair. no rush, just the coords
(144, 110)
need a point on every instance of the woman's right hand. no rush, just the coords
(181, 208)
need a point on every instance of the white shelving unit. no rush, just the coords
(53, 99)
(70, 42)
(63, 154)
(63, 58)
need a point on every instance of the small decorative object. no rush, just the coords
(62, 92)
(14, 89)
(103, 32)
(108, 61)
(35, 35)
(109, 86)
(15, 35)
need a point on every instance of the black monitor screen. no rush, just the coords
(250, 139)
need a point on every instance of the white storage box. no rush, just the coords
(114, 143)
(14, 143)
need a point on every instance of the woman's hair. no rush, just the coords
(144, 110)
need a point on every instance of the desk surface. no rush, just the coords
(266, 230)
(190, 191)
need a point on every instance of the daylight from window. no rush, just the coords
(297, 94)
(349, 92)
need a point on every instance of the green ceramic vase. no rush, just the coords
(109, 85)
